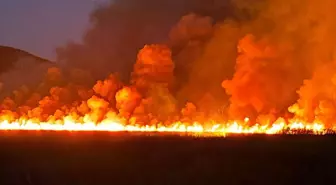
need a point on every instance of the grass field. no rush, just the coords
(64, 158)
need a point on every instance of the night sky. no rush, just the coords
(38, 26)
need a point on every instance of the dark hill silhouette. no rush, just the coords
(10, 55)
(18, 68)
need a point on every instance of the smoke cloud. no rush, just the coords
(285, 44)
(231, 59)
(120, 29)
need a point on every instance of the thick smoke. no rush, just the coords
(120, 29)
(317, 96)
(263, 50)
(185, 27)
(284, 45)
(193, 60)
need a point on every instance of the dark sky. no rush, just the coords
(38, 26)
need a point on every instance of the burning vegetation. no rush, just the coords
(263, 69)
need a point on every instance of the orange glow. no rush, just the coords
(208, 128)
(112, 106)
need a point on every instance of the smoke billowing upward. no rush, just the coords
(120, 29)
(194, 60)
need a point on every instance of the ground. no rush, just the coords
(63, 158)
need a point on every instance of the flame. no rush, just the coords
(209, 128)
(147, 105)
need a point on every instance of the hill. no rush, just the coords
(9, 56)
(18, 67)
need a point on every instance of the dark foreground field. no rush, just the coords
(62, 158)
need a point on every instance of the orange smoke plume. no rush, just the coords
(262, 56)
(145, 107)
(262, 83)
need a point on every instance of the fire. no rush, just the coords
(147, 104)
(208, 128)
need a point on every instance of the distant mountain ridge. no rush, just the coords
(10, 55)
(18, 67)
